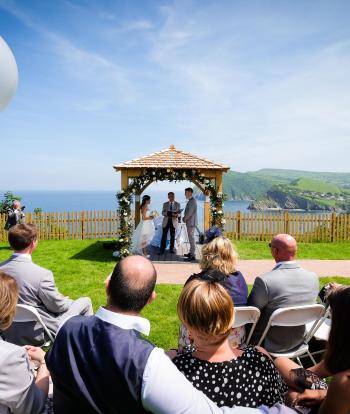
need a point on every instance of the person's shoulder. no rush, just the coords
(308, 272)
(236, 274)
(75, 321)
(10, 352)
(194, 276)
(181, 358)
(6, 262)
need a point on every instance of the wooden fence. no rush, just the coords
(304, 227)
(71, 225)
(239, 226)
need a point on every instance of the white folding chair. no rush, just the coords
(295, 316)
(321, 329)
(26, 313)
(245, 315)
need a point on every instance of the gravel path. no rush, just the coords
(179, 272)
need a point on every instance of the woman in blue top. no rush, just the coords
(218, 263)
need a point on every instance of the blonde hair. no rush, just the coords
(8, 300)
(219, 254)
(207, 309)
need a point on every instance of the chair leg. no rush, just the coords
(299, 362)
(311, 357)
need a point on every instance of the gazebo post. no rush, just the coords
(137, 208)
(206, 212)
(218, 185)
(124, 180)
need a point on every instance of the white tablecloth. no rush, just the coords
(180, 233)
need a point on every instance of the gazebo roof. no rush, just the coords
(171, 158)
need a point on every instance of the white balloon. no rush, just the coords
(8, 74)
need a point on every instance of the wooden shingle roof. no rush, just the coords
(171, 158)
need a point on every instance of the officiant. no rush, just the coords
(171, 211)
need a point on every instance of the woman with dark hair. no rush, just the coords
(20, 391)
(307, 388)
(144, 232)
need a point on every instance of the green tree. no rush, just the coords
(6, 202)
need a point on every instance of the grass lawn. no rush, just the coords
(80, 268)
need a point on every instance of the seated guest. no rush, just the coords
(101, 363)
(20, 391)
(37, 288)
(306, 386)
(219, 260)
(229, 376)
(286, 285)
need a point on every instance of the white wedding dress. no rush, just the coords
(143, 235)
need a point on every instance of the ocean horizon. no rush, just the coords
(69, 200)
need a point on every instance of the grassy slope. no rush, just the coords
(80, 268)
(316, 185)
(286, 176)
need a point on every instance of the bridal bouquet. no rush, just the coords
(154, 213)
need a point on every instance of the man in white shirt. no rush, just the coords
(101, 363)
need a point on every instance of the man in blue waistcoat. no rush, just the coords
(102, 364)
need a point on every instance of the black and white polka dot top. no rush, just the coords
(250, 380)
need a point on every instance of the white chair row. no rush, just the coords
(312, 316)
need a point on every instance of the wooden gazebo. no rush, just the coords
(177, 160)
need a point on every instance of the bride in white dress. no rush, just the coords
(144, 232)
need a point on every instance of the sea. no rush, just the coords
(52, 201)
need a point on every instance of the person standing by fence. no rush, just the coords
(15, 215)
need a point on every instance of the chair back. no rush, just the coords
(246, 315)
(26, 313)
(294, 316)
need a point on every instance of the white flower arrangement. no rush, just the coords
(154, 213)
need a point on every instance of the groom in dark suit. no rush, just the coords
(170, 212)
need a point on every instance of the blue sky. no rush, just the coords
(252, 84)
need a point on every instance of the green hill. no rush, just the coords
(307, 190)
(316, 185)
(279, 176)
(243, 186)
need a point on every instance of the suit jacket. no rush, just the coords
(37, 288)
(286, 285)
(14, 217)
(166, 208)
(190, 216)
(19, 394)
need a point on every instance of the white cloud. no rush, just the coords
(253, 112)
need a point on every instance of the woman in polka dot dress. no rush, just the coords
(228, 376)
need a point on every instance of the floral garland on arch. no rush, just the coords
(125, 199)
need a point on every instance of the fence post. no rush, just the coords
(238, 225)
(333, 225)
(82, 224)
(286, 222)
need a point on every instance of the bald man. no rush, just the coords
(286, 285)
(102, 364)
